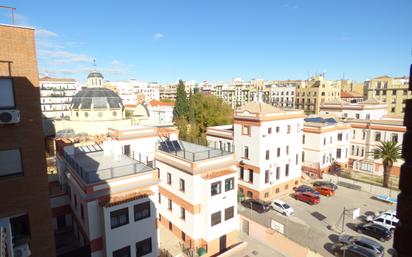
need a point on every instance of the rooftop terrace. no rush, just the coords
(93, 165)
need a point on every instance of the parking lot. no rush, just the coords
(310, 224)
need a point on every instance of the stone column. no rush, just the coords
(403, 233)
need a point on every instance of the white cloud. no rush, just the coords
(44, 33)
(291, 6)
(158, 36)
(20, 19)
(59, 57)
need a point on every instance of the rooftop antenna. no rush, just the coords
(94, 64)
(12, 9)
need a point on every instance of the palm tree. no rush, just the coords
(389, 152)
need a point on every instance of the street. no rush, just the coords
(310, 224)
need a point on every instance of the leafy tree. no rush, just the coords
(182, 105)
(389, 152)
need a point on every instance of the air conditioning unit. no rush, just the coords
(22, 250)
(9, 116)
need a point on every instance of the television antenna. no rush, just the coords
(12, 9)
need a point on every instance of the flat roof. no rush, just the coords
(95, 166)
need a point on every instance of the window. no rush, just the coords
(246, 130)
(323, 159)
(339, 136)
(288, 131)
(266, 194)
(142, 211)
(297, 159)
(246, 152)
(277, 172)
(169, 178)
(378, 136)
(286, 187)
(182, 185)
(242, 173)
(123, 252)
(324, 141)
(394, 137)
(338, 153)
(363, 135)
(229, 212)
(144, 247)
(182, 213)
(267, 154)
(160, 197)
(229, 184)
(287, 150)
(75, 201)
(303, 156)
(287, 170)
(353, 133)
(215, 218)
(250, 176)
(183, 236)
(269, 130)
(119, 218)
(278, 152)
(267, 176)
(81, 211)
(6, 94)
(216, 188)
(330, 140)
(303, 139)
(357, 116)
(169, 205)
(277, 190)
(277, 129)
(10, 163)
(170, 226)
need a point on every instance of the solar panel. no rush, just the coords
(163, 147)
(176, 145)
(170, 146)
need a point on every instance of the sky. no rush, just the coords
(211, 40)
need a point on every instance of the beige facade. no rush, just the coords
(389, 90)
(316, 91)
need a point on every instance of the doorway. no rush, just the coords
(126, 150)
(222, 243)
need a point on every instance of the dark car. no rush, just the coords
(352, 250)
(256, 205)
(374, 230)
(305, 188)
(363, 242)
(321, 183)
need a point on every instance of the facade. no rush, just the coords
(283, 96)
(197, 195)
(25, 219)
(325, 146)
(112, 192)
(235, 95)
(168, 91)
(352, 87)
(268, 147)
(351, 97)
(56, 96)
(369, 109)
(392, 91)
(365, 135)
(161, 112)
(134, 92)
(311, 94)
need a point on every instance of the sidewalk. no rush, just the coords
(255, 248)
(169, 242)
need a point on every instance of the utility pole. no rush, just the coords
(343, 219)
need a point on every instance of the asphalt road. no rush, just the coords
(310, 224)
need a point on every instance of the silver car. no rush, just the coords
(362, 242)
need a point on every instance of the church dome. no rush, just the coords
(96, 99)
(95, 74)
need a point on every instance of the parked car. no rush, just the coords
(282, 207)
(389, 213)
(305, 188)
(307, 197)
(352, 250)
(323, 190)
(363, 242)
(375, 230)
(390, 222)
(325, 184)
(256, 205)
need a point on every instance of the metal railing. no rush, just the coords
(104, 174)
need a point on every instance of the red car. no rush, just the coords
(323, 190)
(307, 197)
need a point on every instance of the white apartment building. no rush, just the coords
(112, 192)
(325, 146)
(133, 92)
(283, 96)
(56, 96)
(366, 135)
(268, 147)
(370, 109)
(197, 195)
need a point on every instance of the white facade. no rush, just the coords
(134, 92)
(56, 96)
(369, 109)
(283, 96)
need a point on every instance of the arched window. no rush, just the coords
(86, 114)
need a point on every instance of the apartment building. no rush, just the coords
(112, 191)
(25, 219)
(366, 135)
(352, 87)
(268, 147)
(168, 91)
(133, 92)
(369, 109)
(314, 92)
(56, 96)
(351, 97)
(197, 195)
(390, 90)
(236, 94)
(283, 96)
(325, 145)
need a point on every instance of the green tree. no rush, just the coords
(389, 152)
(182, 105)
